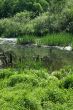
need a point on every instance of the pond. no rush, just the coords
(49, 56)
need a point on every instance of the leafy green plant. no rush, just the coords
(68, 82)
(35, 90)
(55, 96)
(5, 73)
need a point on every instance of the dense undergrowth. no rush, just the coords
(38, 17)
(36, 89)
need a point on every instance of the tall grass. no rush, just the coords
(59, 39)
(26, 39)
(55, 39)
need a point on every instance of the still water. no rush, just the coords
(49, 56)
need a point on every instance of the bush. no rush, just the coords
(63, 72)
(68, 82)
(68, 15)
(6, 73)
(41, 24)
(16, 79)
(55, 96)
(24, 24)
(59, 17)
(58, 74)
(9, 28)
(28, 104)
(17, 25)
(33, 90)
(22, 17)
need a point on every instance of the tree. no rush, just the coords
(7, 8)
(37, 8)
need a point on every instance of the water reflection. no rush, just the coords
(50, 57)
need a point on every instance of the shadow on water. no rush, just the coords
(36, 57)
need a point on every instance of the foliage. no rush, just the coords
(9, 28)
(35, 17)
(26, 40)
(35, 90)
(23, 17)
(5, 73)
(9, 8)
(48, 22)
(68, 82)
(56, 39)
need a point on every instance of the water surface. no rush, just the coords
(51, 56)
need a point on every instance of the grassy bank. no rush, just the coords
(36, 89)
(55, 39)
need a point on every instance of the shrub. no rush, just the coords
(68, 82)
(37, 8)
(22, 17)
(9, 28)
(55, 96)
(63, 72)
(40, 24)
(34, 90)
(28, 104)
(68, 15)
(58, 74)
(5, 73)
(16, 79)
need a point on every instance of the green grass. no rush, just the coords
(26, 40)
(56, 39)
(36, 89)
(59, 39)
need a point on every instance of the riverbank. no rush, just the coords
(62, 41)
(56, 39)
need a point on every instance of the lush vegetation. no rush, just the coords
(55, 39)
(35, 17)
(31, 85)
(36, 89)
